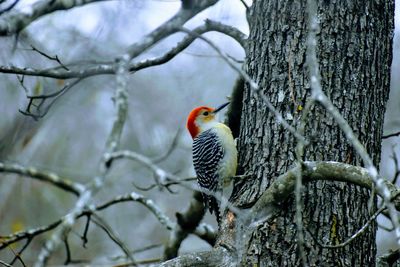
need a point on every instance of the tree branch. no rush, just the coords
(113, 140)
(109, 67)
(168, 28)
(15, 21)
(284, 185)
(148, 203)
(216, 257)
(356, 234)
(187, 222)
(49, 177)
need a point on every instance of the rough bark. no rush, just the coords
(355, 52)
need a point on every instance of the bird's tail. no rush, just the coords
(211, 203)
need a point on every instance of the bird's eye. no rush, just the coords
(205, 113)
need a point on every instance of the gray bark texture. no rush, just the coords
(355, 54)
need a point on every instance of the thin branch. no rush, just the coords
(100, 222)
(245, 4)
(299, 182)
(109, 67)
(283, 186)
(167, 184)
(395, 134)
(11, 6)
(54, 58)
(5, 264)
(16, 20)
(57, 73)
(396, 166)
(45, 176)
(86, 230)
(168, 28)
(43, 97)
(159, 173)
(356, 234)
(19, 253)
(30, 234)
(112, 143)
(170, 149)
(67, 251)
(148, 203)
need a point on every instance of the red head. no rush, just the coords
(201, 117)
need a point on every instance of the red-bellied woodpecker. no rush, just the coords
(214, 154)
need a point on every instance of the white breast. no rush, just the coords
(228, 168)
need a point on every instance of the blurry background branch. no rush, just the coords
(75, 70)
(187, 222)
(14, 21)
(49, 177)
(112, 144)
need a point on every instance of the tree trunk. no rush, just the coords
(355, 53)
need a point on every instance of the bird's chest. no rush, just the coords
(228, 165)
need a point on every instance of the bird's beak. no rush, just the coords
(220, 108)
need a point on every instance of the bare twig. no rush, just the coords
(395, 134)
(100, 222)
(96, 184)
(148, 203)
(166, 29)
(269, 202)
(86, 230)
(54, 58)
(245, 4)
(5, 264)
(358, 233)
(170, 149)
(18, 255)
(396, 166)
(14, 21)
(49, 177)
(54, 96)
(160, 174)
(101, 68)
(167, 184)
(30, 234)
(11, 6)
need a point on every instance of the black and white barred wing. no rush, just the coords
(207, 154)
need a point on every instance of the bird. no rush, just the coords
(214, 155)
